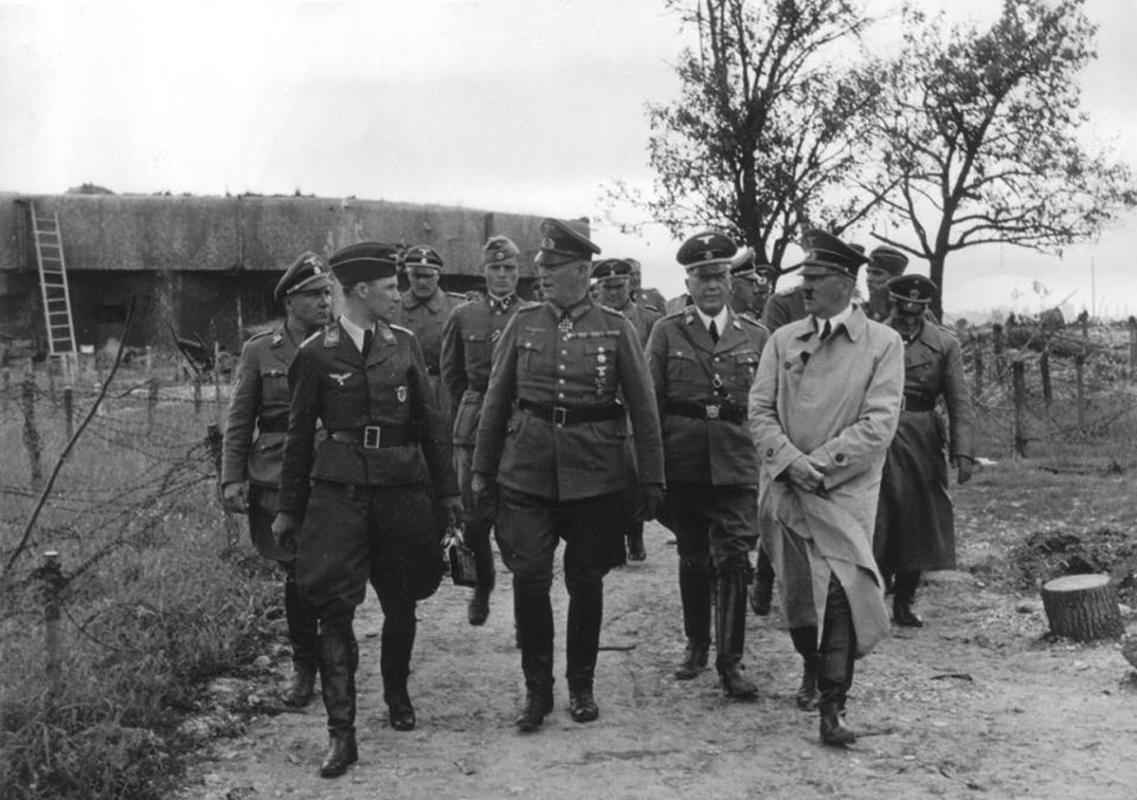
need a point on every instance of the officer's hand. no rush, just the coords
(484, 490)
(453, 506)
(804, 475)
(234, 497)
(963, 467)
(652, 501)
(285, 526)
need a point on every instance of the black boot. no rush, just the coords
(635, 534)
(730, 618)
(695, 594)
(339, 658)
(582, 644)
(805, 642)
(904, 593)
(478, 609)
(761, 591)
(397, 644)
(533, 613)
(302, 634)
(835, 673)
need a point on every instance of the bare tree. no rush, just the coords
(980, 131)
(768, 134)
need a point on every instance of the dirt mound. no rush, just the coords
(1050, 554)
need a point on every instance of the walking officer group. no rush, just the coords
(575, 419)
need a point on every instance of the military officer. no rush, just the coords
(551, 439)
(361, 495)
(649, 298)
(250, 464)
(702, 361)
(915, 526)
(467, 349)
(885, 263)
(823, 409)
(613, 277)
(749, 283)
(425, 307)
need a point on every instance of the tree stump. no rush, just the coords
(1082, 607)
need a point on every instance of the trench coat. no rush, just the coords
(915, 525)
(838, 402)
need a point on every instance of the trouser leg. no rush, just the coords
(805, 642)
(533, 612)
(762, 590)
(904, 593)
(478, 540)
(397, 643)
(304, 637)
(695, 595)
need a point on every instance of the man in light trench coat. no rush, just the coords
(823, 408)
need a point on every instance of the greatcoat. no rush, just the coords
(836, 401)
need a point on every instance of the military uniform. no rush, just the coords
(467, 353)
(711, 466)
(426, 319)
(552, 434)
(253, 451)
(363, 494)
(915, 525)
(783, 307)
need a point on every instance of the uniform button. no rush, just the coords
(718, 359)
(769, 452)
(562, 380)
(561, 366)
(839, 458)
(564, 352)
(561, 395)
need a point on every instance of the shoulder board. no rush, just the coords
(650, 307)
(611, 311)
(401, 329)
(331, 336)
(530, 305)
(751, 321)
(260, 335)
(674, 314)
(456, 296)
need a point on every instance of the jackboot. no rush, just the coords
(395, 666)
(730, 618)
(478, 609)
(837, 657)
(761, 591)
(533, 613)
(303, 636)
(339, 658)
(635, 535)
(904, 593)
(695, 595)
(805, 642)
(582, 644)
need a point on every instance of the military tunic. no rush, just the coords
(783, 308)
(367, 513)
(426, 320)
(915, 526)
(701, 388)
(260, 403)
(643, 318)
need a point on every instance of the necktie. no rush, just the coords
(825, 331)
(714, 331)
(368, 337)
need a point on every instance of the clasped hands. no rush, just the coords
(805, 473)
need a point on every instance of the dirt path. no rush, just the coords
(973, 705)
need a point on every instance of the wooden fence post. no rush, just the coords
(1133, 348)
(1080, 370)
(997, 341)
(31, 433)
(1044, 372)
(1018, 370)
(977, 353)
(51, 573)
(69, 410)
(151, 403)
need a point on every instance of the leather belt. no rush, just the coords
(564, 415)
(375, 436)
(918, 402)
(727, 412)
(272, 425)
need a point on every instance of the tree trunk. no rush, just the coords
(1082, 607)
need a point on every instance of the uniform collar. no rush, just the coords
(354, 332)
(501, 303)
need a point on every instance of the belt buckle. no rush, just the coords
(371, 436)
(713, 411)
(560, 416)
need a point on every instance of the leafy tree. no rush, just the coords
(981, 135)
(767, 134)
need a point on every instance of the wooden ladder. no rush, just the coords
(53, 287)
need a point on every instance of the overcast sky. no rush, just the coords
(529, 106)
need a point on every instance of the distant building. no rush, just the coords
(207, 265)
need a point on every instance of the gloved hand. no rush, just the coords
(804, 475)
(453, 507)
(285, 529)
(234, 497)
(652, 500)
